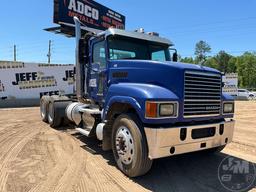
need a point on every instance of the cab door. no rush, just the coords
(98, 71)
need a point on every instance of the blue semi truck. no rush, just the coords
(134, 96)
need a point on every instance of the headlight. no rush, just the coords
(166, 109)
(228, 107)
(161, 109)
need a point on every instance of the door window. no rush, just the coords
(99, 55)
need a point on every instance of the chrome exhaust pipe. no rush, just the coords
(81, 72)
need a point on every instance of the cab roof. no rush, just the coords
(135, 35)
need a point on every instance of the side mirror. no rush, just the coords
(175, 57)
(95, 67)
(81, 51)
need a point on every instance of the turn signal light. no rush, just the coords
(151, 110)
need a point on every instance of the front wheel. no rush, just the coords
(130, 146)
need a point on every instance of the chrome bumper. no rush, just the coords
(164, 142)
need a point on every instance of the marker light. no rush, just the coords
(159, 109)
(151, 109)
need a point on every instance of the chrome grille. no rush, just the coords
(202, 93)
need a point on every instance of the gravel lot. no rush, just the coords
(34, 157)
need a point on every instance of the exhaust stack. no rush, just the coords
(80, 69)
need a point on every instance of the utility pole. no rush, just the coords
(49, 52)
(14, 53)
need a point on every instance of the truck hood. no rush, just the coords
(157, 64)
(165, 74)
(188, 66)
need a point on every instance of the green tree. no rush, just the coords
(222, 59)
(232, 65)
(223, 62)
(211, 62)
(201, 50)
(187, 60)
(246, 68)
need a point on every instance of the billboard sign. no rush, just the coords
(20, 80)
(92, 14)
(230, 81)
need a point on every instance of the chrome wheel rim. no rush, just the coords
(43, 110)
(124, 145)
(50, 112)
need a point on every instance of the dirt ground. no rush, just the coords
(36, 158)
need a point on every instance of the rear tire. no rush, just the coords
(53, 118)
(44, 102)
(129, 146)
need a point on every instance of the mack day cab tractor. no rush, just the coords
(140, 103)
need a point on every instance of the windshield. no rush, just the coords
(122, 48)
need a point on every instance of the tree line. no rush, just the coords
(244, 65)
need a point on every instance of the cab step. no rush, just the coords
(85, 132)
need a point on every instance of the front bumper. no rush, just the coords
(164, 142)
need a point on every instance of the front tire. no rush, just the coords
(129, 146)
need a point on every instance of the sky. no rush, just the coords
(228, 25)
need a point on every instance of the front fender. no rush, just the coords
(125, 100)
(136, 95)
